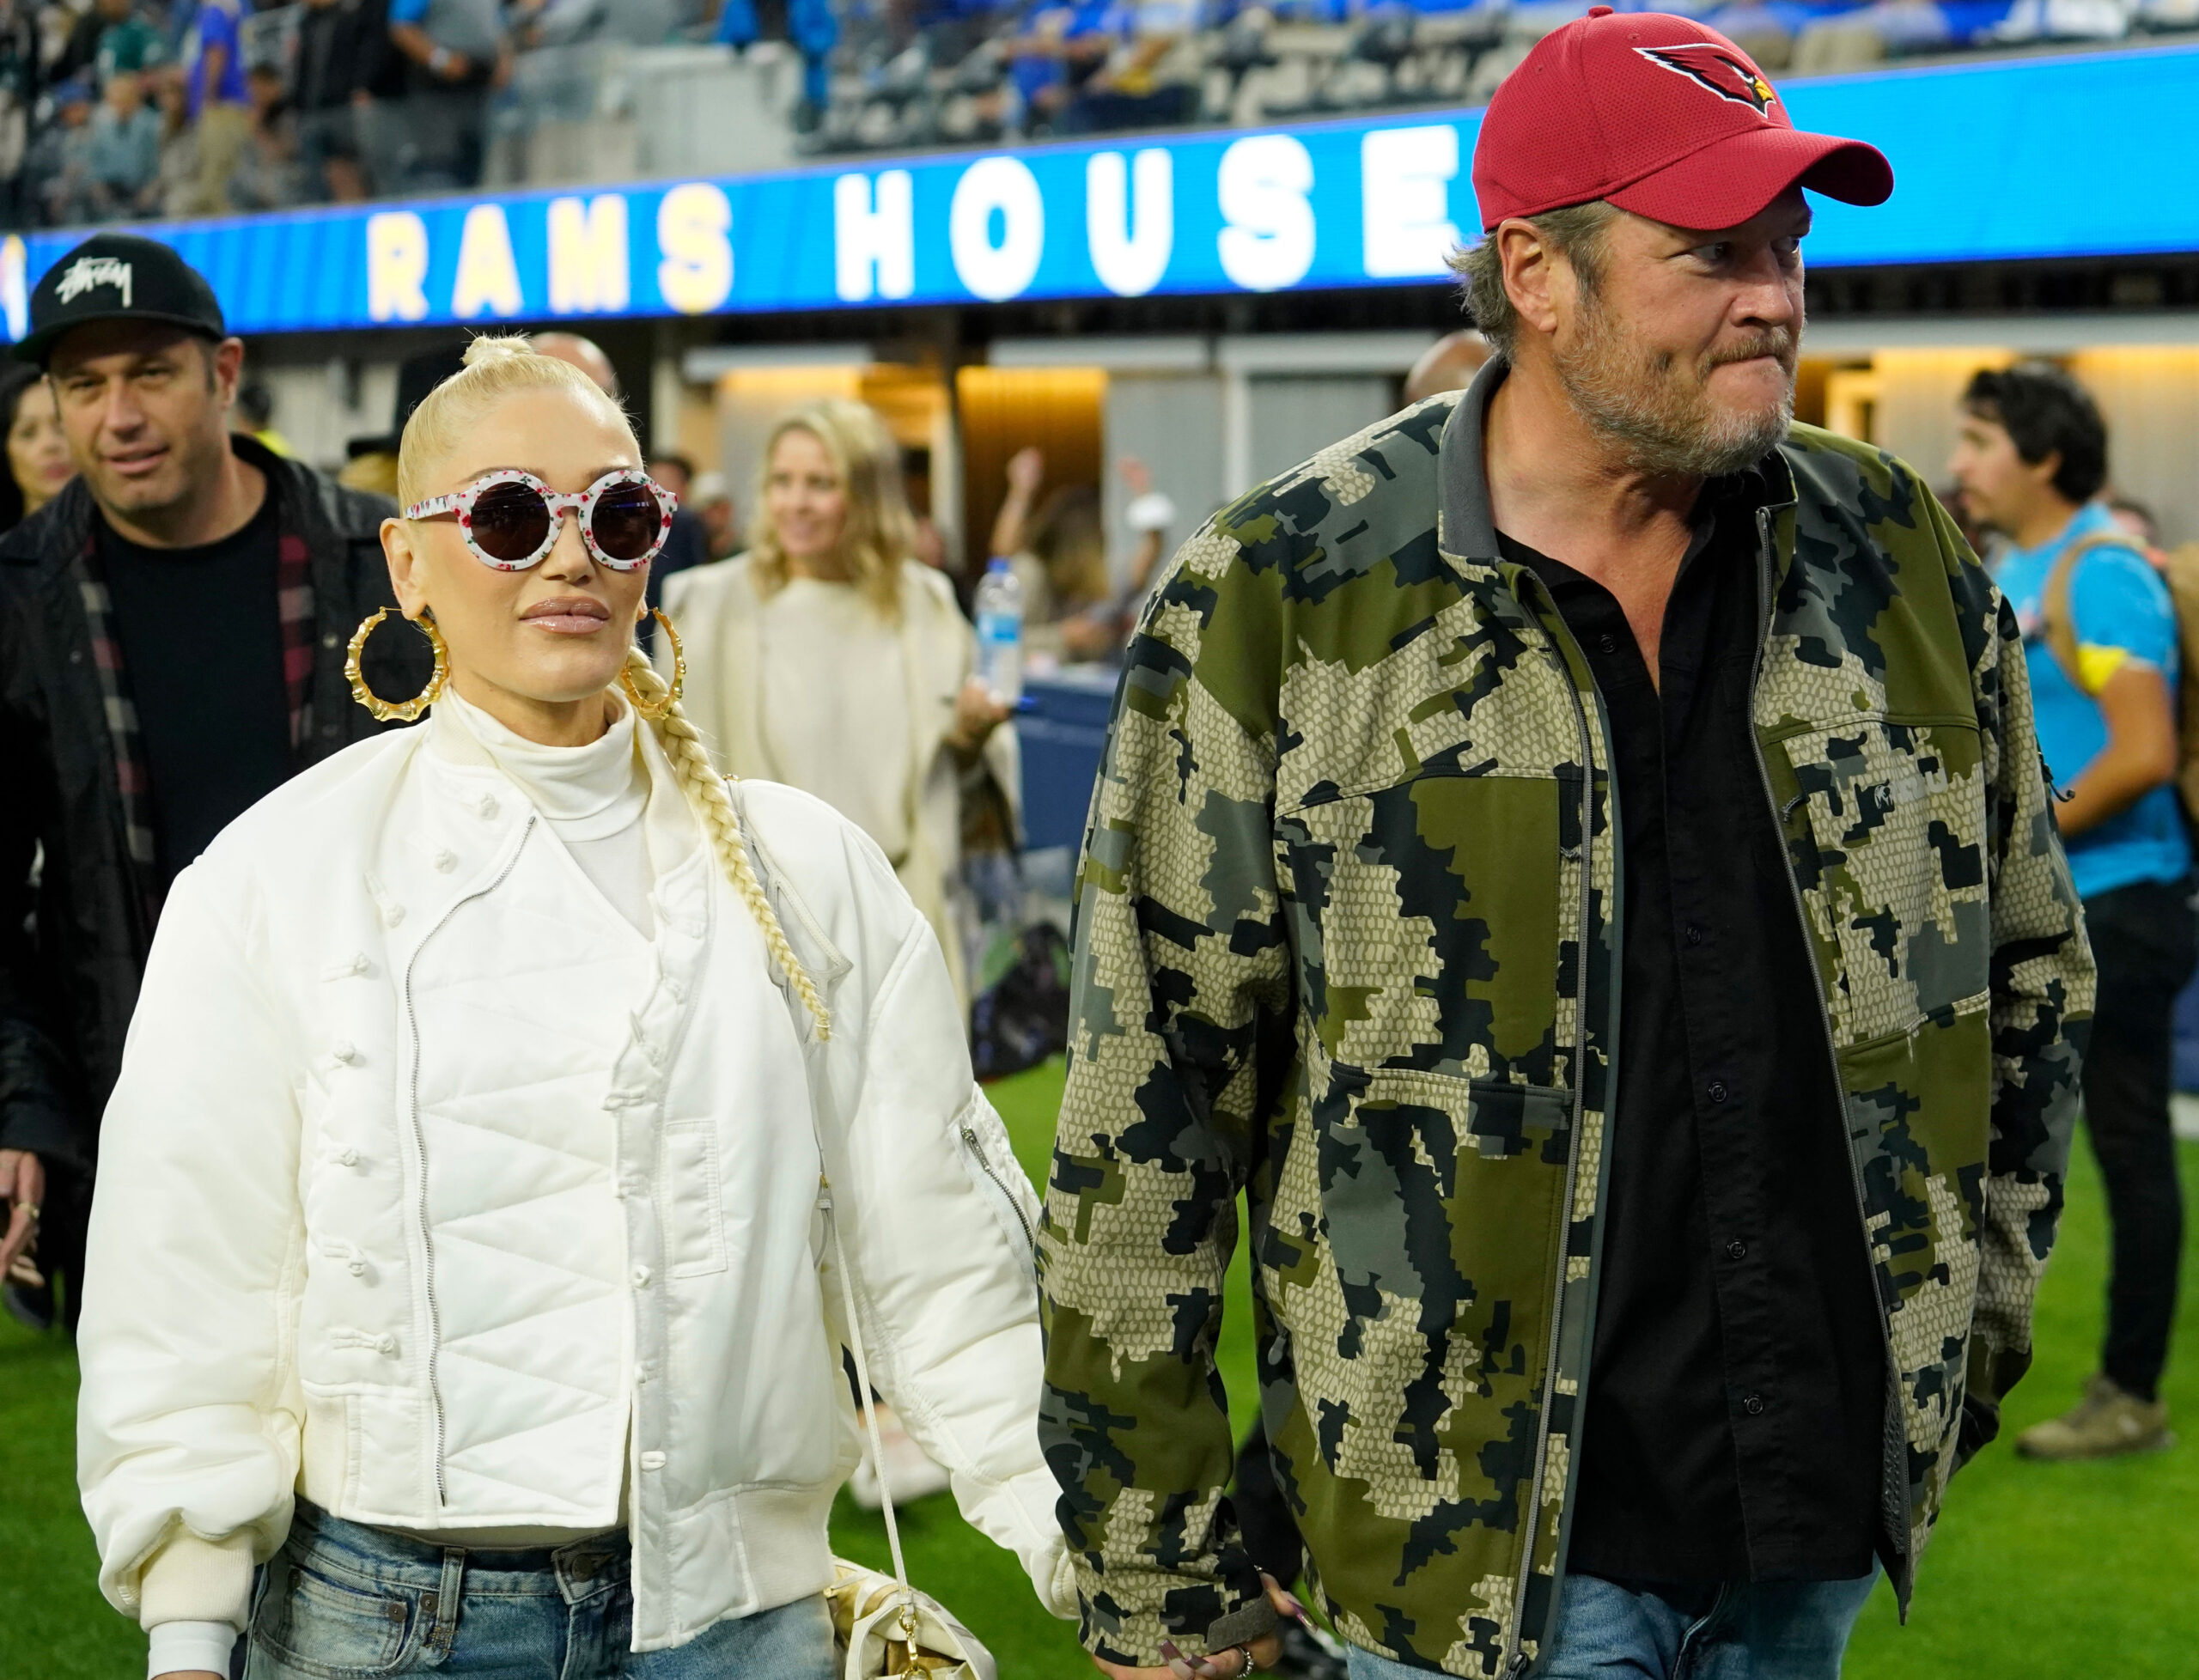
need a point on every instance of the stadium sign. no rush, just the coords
(1995, 159)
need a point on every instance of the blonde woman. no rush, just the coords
(455, 1254)
(827, 658)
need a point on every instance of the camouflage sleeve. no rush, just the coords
(1179, 1027)
(2041, 979)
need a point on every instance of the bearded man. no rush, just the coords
(1575, 857)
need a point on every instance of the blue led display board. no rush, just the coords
(2020, 158)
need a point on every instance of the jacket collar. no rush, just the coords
(669, 827)
(1468, 529)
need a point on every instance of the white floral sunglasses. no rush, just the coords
(510, 519)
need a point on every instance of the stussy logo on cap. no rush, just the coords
(1716, 69)
(87, 272)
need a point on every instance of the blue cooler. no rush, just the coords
(1063, 727)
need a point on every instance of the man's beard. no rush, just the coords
(1666, 426)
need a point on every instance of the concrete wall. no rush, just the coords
(2148, 393)
(1292, 416)
(1173, 423)
(2151, 400)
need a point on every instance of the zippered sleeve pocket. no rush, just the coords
(993, 1172)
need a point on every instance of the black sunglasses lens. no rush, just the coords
(627, 522)
(511, 520)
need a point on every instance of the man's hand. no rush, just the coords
(1222, 1665)
(22, 1185)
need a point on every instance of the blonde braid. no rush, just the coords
(713, 806)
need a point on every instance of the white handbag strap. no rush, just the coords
(862, 1382)
(802, 1026)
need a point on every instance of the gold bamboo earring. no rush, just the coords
(398, 711)
(656, 710)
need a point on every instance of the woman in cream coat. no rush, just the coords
(457, 1242)
(826, 659)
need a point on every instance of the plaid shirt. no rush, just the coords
(68, 990)
(293, 601)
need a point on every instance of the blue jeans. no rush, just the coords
(1615, 1630)
(344, 1602)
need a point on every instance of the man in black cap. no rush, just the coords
(173, 628)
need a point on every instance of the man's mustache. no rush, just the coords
(1779, 343)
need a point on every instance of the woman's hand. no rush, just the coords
(977, 714)
(1026, 468)
(1026, 471)
(1219, 1666)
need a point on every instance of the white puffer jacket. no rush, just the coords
(434, 1191)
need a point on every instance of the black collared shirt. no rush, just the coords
(1737, 1389)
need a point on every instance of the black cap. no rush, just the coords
(118, 276)
(417, 375)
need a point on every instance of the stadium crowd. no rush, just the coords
(130, 110)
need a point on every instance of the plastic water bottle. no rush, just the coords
(1000, 632)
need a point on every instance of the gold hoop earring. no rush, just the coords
(400, 712)
(657, 710)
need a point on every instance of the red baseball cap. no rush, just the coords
(1661, 116)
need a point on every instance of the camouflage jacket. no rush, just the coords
(1347, 942)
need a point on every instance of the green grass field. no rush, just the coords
(2039, 1572)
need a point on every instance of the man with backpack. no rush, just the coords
(2100, 637)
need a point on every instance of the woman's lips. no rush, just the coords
(567, 614)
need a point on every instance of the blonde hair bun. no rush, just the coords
(498, 366)
(497, 347)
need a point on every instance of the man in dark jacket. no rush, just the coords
(173, 629)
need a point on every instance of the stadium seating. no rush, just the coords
(603, 90)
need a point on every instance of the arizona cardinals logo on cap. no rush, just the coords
(1715, 67)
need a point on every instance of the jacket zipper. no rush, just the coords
(1520, 1662)
(420, 1154)
(978, 1151)
(1765, 581)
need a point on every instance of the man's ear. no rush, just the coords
(1529, 267)
(225, 366)
(407, 566)
(2044, 471)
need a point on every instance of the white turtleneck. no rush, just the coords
(592, 796)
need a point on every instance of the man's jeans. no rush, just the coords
(341, 1600)
(1614, 1630)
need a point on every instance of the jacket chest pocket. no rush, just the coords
(1427, 924)
(1892, 866)
(691, 1198)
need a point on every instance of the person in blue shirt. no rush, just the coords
(2100, 639)
(458, 51)
(814, 31)
(221, 108)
